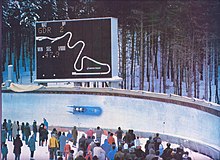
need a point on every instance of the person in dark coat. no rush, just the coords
(82, 143)
(139, 153)
(18, 130)
(157, 141)
(22, 131)
(44, 136)
(167, 152)
(119, 134)
(41, 127)
(127, 138)
(17, 147)
(4, 125)
(34, 128)
(27, 132)
(75, 135)
(9, 130)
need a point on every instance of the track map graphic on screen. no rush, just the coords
(73, 49)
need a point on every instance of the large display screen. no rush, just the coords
(73, 49)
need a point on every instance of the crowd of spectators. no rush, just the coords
(118, 145)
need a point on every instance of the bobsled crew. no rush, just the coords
(86, 110)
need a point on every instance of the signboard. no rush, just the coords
(72, 49)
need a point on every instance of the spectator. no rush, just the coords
(158, 156)
(3, 136)
(46, 123)
(67, 149)
(106, 146)
(90, 133)
(44, 134)
(4, 125)
(53, 146)
(119, 134)
(9, 130)
(91, 147)
(27, 132)
(34, 128)
(14, 130)
(167, 152)
(151, 144)
(98, 151)
(18, 127)
(179, 153)
(89, 155)
(75, 135)
(62, 142)
(186, 156)
(133, 136)
(82, 143)
(60, 158)
(151, 154)
(22, 131)
(69, 136)
(88, 141)
(17, 147)
(127, 137)
(80, 156)
(112, 153)
(111, 139)
(4, 151)
(119, 155)
(31, 145)
(137, 142)
(99, 133)
(71, 155)
(157, 141)
(139, 153)
(41, 127)
(125, 147)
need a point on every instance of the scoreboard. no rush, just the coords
(73, 49)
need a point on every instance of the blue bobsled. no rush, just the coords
(85, 110)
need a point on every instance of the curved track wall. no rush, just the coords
(192, 123)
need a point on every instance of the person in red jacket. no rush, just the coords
(67, 149)
(111, 139)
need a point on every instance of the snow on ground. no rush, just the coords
(42, 153)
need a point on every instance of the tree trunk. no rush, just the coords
(31, 57)
(148, 58)
(217, 53)
(181, 80)
(132, 61)
(190, 73)
(194, 78)
(124, 56)
(152, 61)
(141, 56)
(197, 79)
(156, 55)
(206, 70)
(23, 52)
(11, 47)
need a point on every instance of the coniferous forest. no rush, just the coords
(165, 46)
